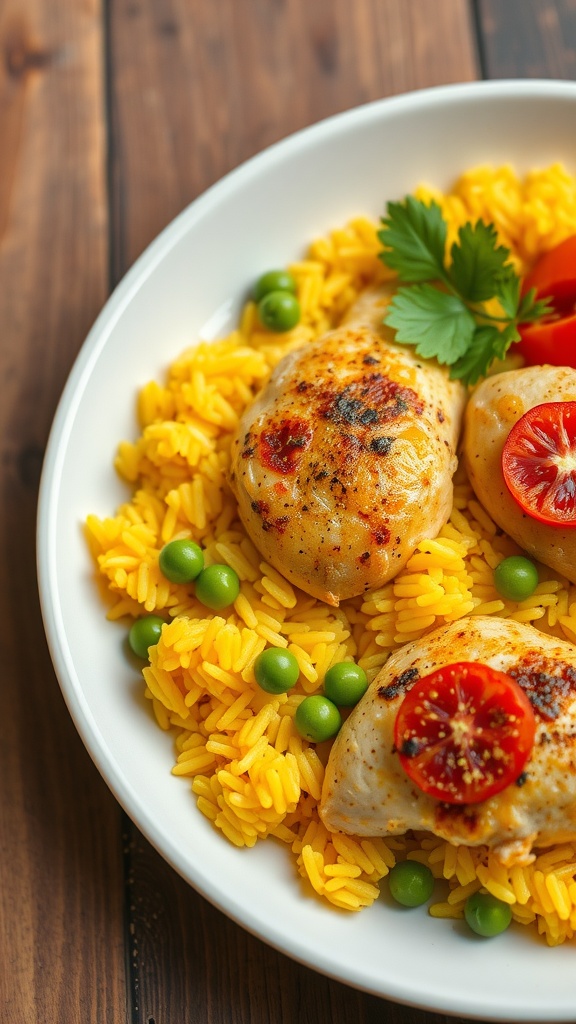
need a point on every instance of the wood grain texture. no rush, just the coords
(195, 89)
(199, 87)
(528, 38)
(94, 926)
(190, 962)
(61, 941)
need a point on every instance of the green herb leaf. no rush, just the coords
(437, 323)
(414, 236)
(488, 343)
(533, 309)
(509, 293)
(445, 313)
(478, 262)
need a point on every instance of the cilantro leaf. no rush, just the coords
(437, 323)
(414, 235)
(488, 343)
(509, 294)
(478, 262)
(532, 308)
(446, 313)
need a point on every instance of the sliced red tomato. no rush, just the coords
(550, 341)
(554, 275)
(539, 463)
(464, 732)
(553, 339)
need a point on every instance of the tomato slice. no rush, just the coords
(464, 732)
(554, 275)
(550, 341)
(539, 463)
(553, 339)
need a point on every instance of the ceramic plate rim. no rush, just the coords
(55, 466)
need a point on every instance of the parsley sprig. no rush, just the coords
(442, 306)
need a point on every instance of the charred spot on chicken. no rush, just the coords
(349, 486)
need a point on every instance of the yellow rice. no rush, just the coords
(252, 774)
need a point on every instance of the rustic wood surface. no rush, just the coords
(113, 116)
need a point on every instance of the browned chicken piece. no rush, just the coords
(493, 409)
(344, 461)
(367, 793)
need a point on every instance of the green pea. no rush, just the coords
(217, 586)
(487, 915)
(276, 670)
(516, 578)
(317, 719)
(273, 281)
(411, 883)
(181, 561)
(144, 633)
(345, 683)
(279, 311)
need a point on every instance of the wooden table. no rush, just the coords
(113, 116)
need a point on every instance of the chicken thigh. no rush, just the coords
(492, 410)
(366, 792)
(344, 461)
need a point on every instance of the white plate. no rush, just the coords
(190, 283)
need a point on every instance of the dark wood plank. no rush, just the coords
(200, 87)
(528, 38)
(188, 955)
(196, 88)
(61, 890)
